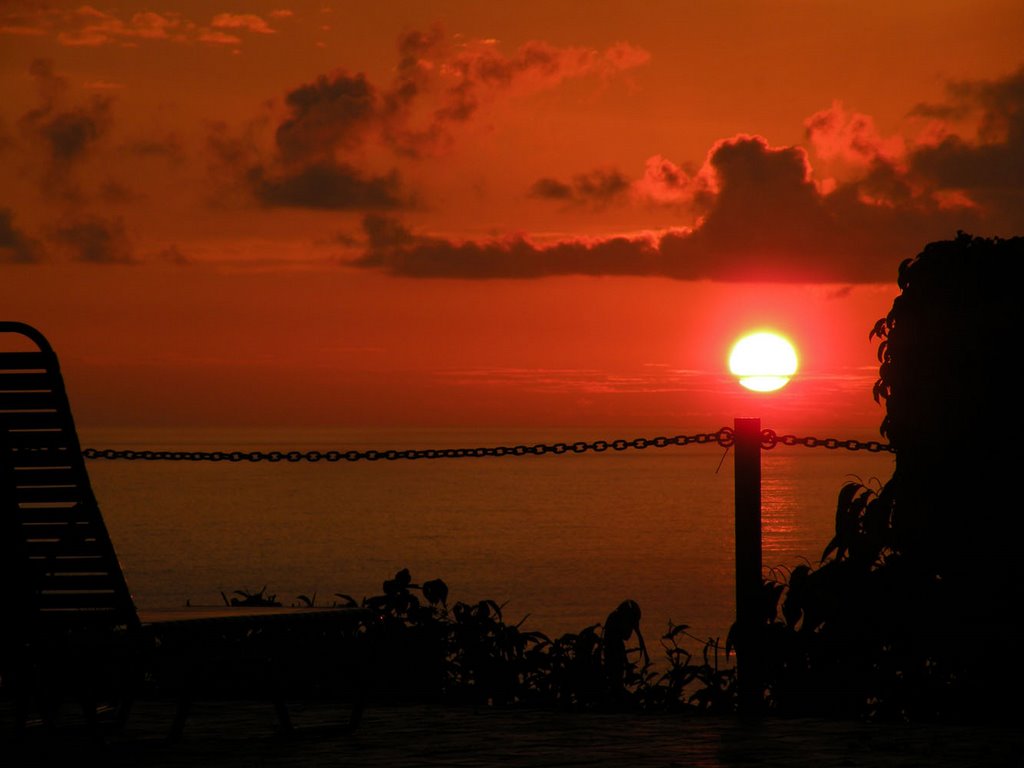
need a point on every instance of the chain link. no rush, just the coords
(723, 437)
(769, 439)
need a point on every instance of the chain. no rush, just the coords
(769, 439)
(723, 437)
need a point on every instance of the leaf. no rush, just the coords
(435, 591)
(675, 630)
(730, 640)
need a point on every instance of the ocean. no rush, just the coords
(557, 540)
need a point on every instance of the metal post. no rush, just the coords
(748, 563)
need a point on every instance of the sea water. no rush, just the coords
(557, 540)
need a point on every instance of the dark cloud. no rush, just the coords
(69, 134)
(66, 134)
(326, 118)
(395, 250)
(766, 220)
(551, 189)
(760, 215)
(439, 82)
(94, 240)
(990, 167)
(412, 77)
(471, 74)
(328, 186)
(327, 115)
(15, 246)
(598, 187)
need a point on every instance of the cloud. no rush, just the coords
(847, 145)
(990, 165)
(88, 26)
(461, 79)
(665, 183)
(23, 23)
(766, 220)
(69, 134)
(326, 185)
(247, 21)
(477, 68)
(395, 250)
(330, 125)
(66, 134)
(15, 246)
(758, 212)
(597, 188)
(328, 115)
(326, 119)
(94, 240)
(439, 83)
(551, 189)
(216, 37)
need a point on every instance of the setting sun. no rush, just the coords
(763, 361)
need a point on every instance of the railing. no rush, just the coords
(724, 437)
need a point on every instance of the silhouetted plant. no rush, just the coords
(251, 599)
(467, 653)
(912, 611)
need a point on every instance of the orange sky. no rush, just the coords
(466, 213)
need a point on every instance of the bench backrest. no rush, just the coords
(58, 564)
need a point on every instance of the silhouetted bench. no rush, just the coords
(70, 626)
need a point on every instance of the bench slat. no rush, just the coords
(16, 380)
(81, 582)
(25, 361)
(42, 516)
(20, 420)
(44, 476)
(52, 548)
(50, 457)
(53, 494)
(27, 401)
(68, 565)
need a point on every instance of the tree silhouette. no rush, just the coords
(914, 611)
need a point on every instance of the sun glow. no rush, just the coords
(763, 361)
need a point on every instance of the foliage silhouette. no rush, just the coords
(467, 653)
(912, 612)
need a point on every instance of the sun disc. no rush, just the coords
(763, 361)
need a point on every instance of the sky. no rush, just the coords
(539, 214)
